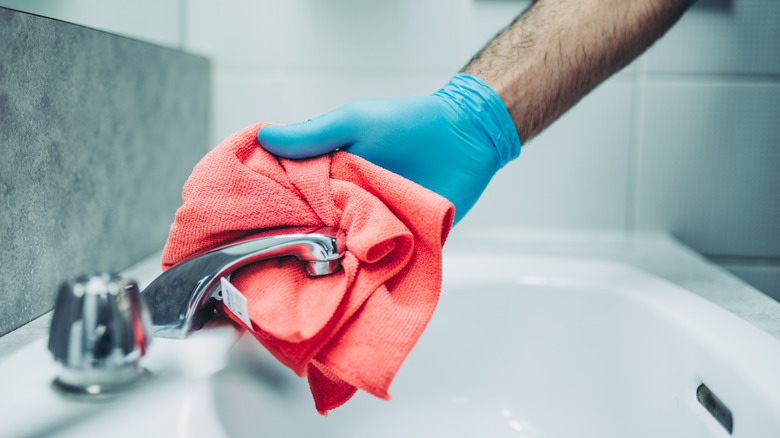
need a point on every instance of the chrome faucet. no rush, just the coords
(101, 323)
(183, 298)
(99, 332)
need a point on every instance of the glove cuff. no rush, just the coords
(485, 105)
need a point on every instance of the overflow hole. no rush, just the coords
(715, 407)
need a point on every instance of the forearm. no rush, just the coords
(559, 50)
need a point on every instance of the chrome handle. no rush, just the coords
(99, 332)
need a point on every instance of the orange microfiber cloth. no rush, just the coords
(345, 331)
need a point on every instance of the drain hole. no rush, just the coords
(715, 407)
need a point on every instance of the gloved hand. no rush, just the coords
(451, 142)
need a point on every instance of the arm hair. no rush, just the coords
(557, 51)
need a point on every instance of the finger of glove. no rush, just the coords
(310, 138)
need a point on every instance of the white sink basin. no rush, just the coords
(519, 346)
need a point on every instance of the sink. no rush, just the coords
(519, 346)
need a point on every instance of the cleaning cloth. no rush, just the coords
(346, 331)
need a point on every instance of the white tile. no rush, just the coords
(235, 32)
(242, 98)
(308, 97)
(481, 21)
(345, 35)
(368, 34)
(573, 175)
(737, 37)
(708, 167)
(156, 21)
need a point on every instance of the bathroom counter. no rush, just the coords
(655, 253)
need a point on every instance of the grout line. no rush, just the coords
(333, 71)
(411, 73)
(291, 74)
(640, 73)
(183, 28)
(712, 78)
(635, 143)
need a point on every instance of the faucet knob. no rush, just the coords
(99, 332)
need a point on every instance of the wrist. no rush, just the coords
(476, 99)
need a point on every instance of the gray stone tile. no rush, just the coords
(98, 134)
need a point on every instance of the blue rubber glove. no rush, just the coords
(451, 142)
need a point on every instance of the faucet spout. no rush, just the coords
(183, 298)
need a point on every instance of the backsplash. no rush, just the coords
(98, 134)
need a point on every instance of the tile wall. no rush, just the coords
(708, 145)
